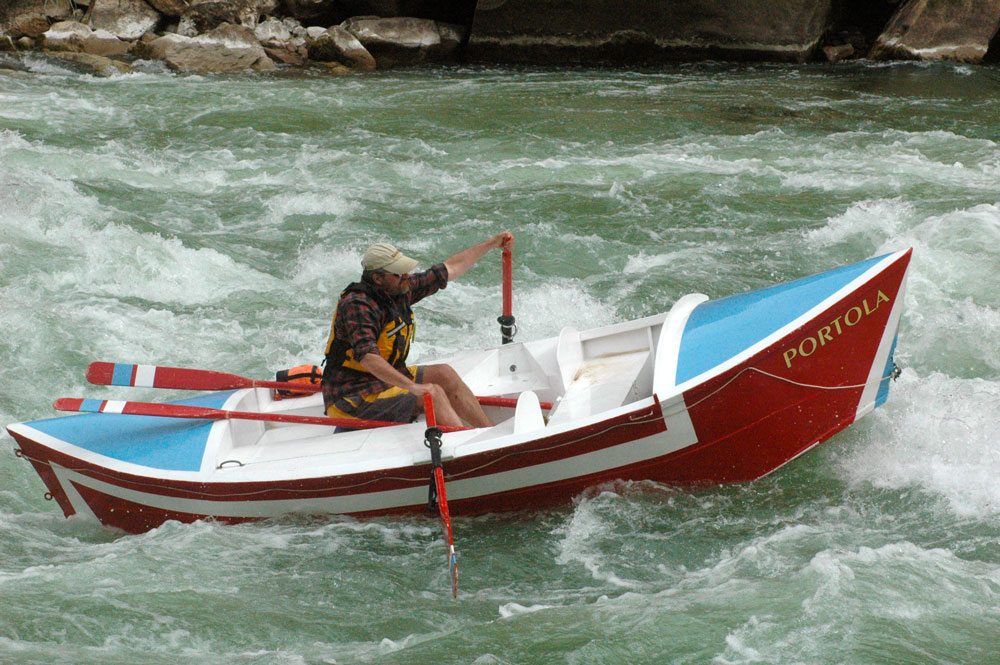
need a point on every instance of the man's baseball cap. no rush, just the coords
(383, 256)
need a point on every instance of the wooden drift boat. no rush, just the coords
(709, 392)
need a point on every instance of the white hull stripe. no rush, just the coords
(575, 467)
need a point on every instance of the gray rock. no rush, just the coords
(284, 55)
(838, 52)
(958, 30)
(206, 16)
(126, 19)
(339, 45)
(401, 41)
(272, 31)
(88, 63)
(226, 48)
(74, 36)
(203, 17)
(451, 37)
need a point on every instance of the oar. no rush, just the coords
(182, 378)
(436, 494)
(205, 413)
(506, 320)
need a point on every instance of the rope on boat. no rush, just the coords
(893, 375)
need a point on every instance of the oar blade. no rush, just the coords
(446, 525)
(137, 408)
(155, 376)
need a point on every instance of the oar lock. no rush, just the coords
(432, 439)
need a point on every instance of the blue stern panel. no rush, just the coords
(170, 444)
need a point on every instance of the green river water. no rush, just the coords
(210, 221)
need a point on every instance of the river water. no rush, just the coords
(210, 221)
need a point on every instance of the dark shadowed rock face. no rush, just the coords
(646, 30)
(31, 18)
(958, 30)
(171, 7)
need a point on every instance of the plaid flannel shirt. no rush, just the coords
(359, 323)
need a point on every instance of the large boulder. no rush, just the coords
(203, 17)
(958, 30)
(126, 19)
(31, 18)
(339, 45)
(280, 44)
(226, 48)
(405, 40)
(89, 63)
(646, 30)
(272, 32)
(76, 37)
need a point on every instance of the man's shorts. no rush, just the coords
(393, 404)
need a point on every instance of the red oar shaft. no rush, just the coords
(442, 498)
(508, 283)
(182, 378)
(205, 413)
(429, 411)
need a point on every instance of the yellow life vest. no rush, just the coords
(395, 337)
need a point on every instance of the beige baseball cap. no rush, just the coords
(383, 256)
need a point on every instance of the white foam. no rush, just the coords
(937, 434)
(509, 610)
(872, 221)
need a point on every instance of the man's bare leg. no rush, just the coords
(460, 397)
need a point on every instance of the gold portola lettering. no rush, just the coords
(836, 328)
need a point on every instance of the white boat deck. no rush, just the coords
(584, 375)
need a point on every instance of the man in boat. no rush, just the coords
(366, 375)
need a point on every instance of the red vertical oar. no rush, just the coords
(437, 498)
(506, 320)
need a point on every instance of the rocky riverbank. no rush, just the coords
(345, 36)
